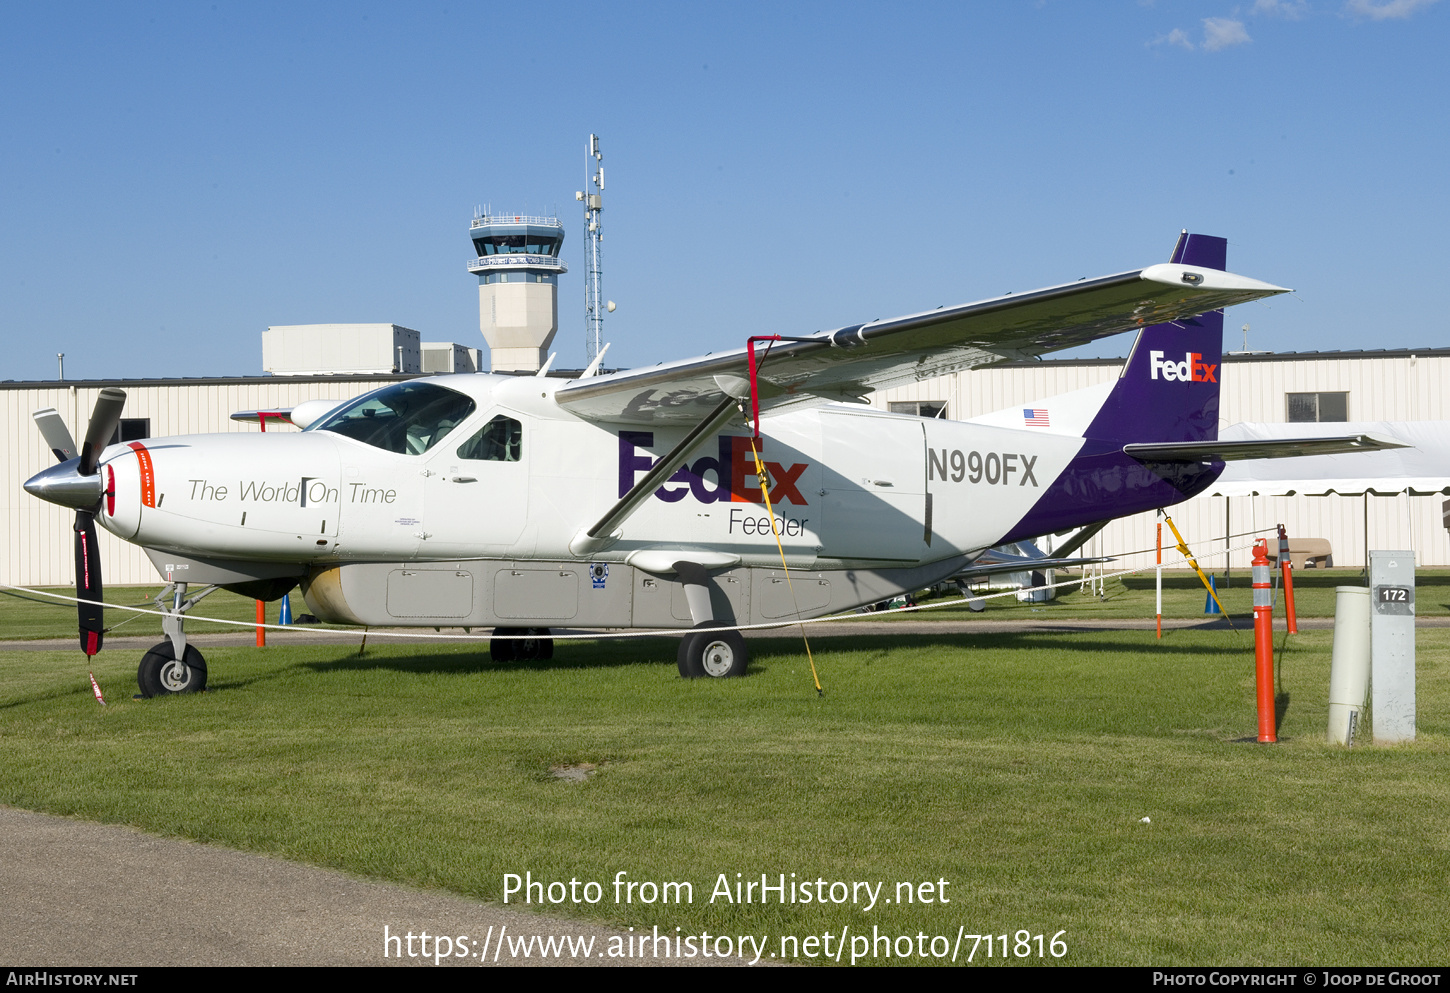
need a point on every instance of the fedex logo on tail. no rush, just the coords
(728, 478)
(1191, 370)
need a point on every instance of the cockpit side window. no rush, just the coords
(406, 418)
(500, 440)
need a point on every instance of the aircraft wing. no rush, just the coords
(1270, 448)
(848, 363)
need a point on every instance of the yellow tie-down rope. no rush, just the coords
(1183, 548)
(765, 492)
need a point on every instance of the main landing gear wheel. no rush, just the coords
(160, 674)
(707, 651)
(538, 647)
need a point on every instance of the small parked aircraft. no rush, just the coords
(637, 498)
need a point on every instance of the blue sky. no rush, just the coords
(174, 178)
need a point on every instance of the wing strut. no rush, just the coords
(666, 467)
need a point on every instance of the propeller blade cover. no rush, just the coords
(88, 584)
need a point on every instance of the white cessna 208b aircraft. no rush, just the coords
(632, 499)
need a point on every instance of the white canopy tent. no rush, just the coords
(1420, 470)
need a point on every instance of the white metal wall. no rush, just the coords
(1390, 387)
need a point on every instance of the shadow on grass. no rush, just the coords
(25, 701)
(585, 655)
(765, 653)
(1281, 707)
(567, 655)
(1093, 642)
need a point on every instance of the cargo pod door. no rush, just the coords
(477, 489)
(875, 504)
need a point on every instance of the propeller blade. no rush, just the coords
(88, 583)
(104, 421)
(55, 433)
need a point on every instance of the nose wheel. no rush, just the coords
(161, 673)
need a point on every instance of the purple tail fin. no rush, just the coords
(1168, 389)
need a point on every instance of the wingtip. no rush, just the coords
(1200, 278)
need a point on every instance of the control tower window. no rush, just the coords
(500, 440)
(516, 244)
(406, 418)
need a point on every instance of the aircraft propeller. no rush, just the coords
(77, 483)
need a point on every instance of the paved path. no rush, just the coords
(74, 893)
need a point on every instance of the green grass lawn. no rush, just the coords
(24, 616)
(1017, 767)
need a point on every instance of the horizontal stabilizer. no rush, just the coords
(1022, 556)
(1274, 448)
(303, 415)
(257, 416)
(980, 568)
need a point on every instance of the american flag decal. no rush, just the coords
(1035, 417)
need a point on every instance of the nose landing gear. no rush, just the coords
(173, 666)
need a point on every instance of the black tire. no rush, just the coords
(712, 653)
(503, 649)
(160, 674)
(539, 648)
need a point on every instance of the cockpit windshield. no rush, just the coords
(407, 418)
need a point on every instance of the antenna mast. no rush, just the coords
(593, 234)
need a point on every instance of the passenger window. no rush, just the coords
(500, 440)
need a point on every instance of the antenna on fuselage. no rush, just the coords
(593, 369)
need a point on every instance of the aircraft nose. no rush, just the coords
(64, 485)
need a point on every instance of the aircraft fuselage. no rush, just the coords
(470, 531)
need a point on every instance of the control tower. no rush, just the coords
(518, 269)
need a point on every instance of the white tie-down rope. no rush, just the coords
(642, 633)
